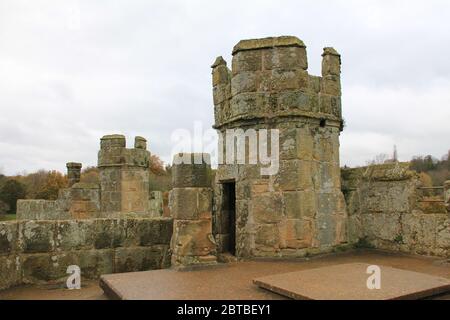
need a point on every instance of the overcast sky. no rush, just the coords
(72, 71)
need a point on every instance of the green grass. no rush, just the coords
(7, 217)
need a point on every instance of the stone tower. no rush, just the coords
(124, 175)
(300, 209)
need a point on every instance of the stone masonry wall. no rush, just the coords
(386, 211)
(40, 251)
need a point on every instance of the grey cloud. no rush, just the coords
(142, 68)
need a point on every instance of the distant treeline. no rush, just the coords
(438, 171)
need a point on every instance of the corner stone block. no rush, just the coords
(295, 175)
(300, 204)
(75, 234)
(8, 237)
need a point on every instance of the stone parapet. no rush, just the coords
(269, 79)
(40, 251)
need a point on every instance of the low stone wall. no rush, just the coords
(81, 201)
(387, 211)
(40, 251)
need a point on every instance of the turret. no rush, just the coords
(299, 204)
(124, 175)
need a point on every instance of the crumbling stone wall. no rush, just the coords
(386, 210)
(81, 201)
(40, 251)
(301, 209)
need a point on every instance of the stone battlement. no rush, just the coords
(269, 80)
(113, 152)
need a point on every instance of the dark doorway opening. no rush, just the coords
(229, 210)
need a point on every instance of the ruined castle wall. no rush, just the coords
(386, 210)
(301, 209)
(41, 251)
(81, 201)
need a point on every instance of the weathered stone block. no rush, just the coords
(221, 93)
(106, 234)
(248, 103)
(194, 172)
(326, 229)
(8, 237)
(267, 208)
(94, 263)
(331, 62)
(292, 101)
(330, 104)
(141, 258)
(295, 175)
(314, 83)
(282, 80)
(329, 176)
(37, 236)
(296, 143)
(220, 75)
(193, 238)
(43, 267)
(268, 235)
(247, 61)
(331, 203)
(295, 234)
(331, 85)
(192, 203)
(113, 141)
(245, 82)
(382, 226)
(154, 231)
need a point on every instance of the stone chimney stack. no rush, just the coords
(73, 172)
